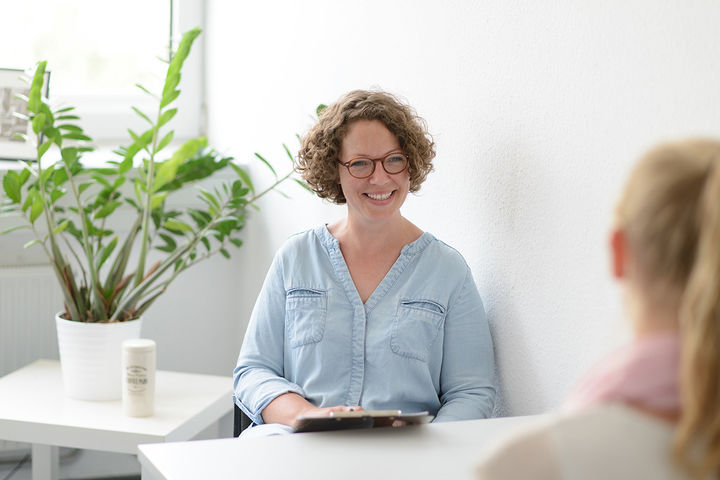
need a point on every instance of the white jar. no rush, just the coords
(138, 377)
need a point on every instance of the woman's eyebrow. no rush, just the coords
(363, 155)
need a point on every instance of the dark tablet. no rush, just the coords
(361, 419)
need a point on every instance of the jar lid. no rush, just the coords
(139, 345)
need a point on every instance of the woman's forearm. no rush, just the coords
(285, 409)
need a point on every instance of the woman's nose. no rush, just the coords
(379, 176)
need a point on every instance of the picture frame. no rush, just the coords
(11, 84)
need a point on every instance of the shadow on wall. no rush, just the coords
(515, 223)
(517, 379)
(257, 257)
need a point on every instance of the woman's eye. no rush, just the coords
(359, 163)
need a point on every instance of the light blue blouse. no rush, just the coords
(420, 342)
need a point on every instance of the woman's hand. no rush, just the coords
(326, 411)
(287, 407)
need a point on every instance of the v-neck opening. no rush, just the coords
(407, 253)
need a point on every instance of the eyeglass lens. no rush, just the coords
(364, 167)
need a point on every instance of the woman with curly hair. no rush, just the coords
(369, 312)
(651, 409)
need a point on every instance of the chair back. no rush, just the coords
(240, 421)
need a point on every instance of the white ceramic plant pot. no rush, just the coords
(90, 356)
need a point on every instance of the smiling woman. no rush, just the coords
(369, 312)
(97, 62)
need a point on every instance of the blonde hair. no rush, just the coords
(670, 213)
(320, 149)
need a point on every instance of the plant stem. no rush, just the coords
(77, 259)
(271, 187)
(97, 305)
(136, 293)
(198, 260)
(117, 271)
(57, 260)
(140, 272)
(98, 244)
(69, 300)
(139, 290)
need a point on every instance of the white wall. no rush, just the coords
(538, 110)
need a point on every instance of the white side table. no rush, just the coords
(34, 409)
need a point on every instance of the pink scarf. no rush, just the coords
(644, 373)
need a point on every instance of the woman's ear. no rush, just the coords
(619, 253)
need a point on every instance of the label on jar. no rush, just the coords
(137, 378)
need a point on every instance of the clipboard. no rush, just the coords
(359, 419)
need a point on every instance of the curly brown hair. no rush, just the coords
(320, 148)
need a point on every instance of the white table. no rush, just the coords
(34, 409)
(433, 451)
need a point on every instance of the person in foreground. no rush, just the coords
(369, 312)
(651, 410)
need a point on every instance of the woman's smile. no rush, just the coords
(380, 196)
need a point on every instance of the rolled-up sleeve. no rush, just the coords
(258, 376)
(467, 386)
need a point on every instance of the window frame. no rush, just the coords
(106, 116)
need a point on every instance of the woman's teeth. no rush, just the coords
(381, 196)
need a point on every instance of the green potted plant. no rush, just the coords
(109, 280)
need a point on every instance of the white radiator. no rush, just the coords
(29, 299)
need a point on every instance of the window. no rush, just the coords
(98, 51)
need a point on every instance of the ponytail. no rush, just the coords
(697, 440)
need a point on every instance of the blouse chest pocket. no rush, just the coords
(415, 328)
(305, 314)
